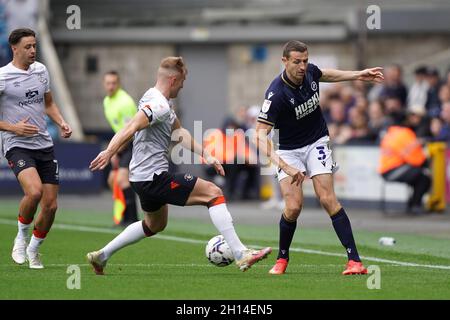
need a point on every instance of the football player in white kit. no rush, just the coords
(152, 129)
(25, 99)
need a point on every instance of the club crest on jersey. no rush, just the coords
(270, 95)
(188, 177)
(313, 86)
(42, 79)
(292, 100)
(266, 105)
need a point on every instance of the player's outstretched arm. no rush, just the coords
(264, 144)
(139, 122)
(188, 142)
(334, 75)
(53, 112)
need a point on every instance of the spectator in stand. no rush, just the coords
(377, 119)
(394, 111)
(433, 104)
(360, 87)
(361, 102)
(444, 132)
(447, 80)
(417, 95)
(418, 121)
(347, 97)
(444, 94)
(337, 125)
(359, 127)
(436, 125)
(393, 84)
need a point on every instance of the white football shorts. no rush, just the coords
(312, 159)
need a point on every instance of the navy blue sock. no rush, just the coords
(287, 230)
(343, 229)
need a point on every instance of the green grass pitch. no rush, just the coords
(173, 265)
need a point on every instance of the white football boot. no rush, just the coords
(19, 250)
(34, 258)
(97, 263)
(250, 257)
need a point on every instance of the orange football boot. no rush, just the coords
(279, 267)
(354, 267)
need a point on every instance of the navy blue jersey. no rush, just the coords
(295, 110)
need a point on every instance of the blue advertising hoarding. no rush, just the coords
(74, 173)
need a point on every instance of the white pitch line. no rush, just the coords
(187, 240)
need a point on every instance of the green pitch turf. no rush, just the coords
(173, 265)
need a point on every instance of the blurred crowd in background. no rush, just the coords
(358, 114)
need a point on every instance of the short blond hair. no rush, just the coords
(174, 64)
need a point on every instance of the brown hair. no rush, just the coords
(113, 73)
(174, 64)
(293, 45)
(17, 34)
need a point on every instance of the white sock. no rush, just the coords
(132, 234)
(222, 220)
(35, 243)
(23, 230)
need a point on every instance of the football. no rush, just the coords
(218, 252)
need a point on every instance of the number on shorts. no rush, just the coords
(57, 168)
(322, 154)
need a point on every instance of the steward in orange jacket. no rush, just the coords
(402, 159)
(400, 146)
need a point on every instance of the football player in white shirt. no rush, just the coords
(149, 176)
(25, 99)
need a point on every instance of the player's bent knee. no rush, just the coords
(214, 191)
(154, 226)
(159, 227)
(34, 194)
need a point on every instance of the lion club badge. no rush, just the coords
(188, 177)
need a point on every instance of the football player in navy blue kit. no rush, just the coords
(291, 105)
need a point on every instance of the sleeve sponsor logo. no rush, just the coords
(266, 106)
(262, 115)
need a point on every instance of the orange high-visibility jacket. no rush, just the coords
(400, 146)
(226, 148)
